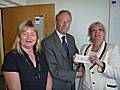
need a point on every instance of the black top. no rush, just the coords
(32, 78)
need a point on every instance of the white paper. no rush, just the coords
(81, 59)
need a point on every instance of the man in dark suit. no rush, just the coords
(60, 61)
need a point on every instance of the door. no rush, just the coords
(12, 16)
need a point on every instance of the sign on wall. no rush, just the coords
(114, 33)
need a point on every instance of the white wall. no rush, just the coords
(83, 12)
(39, 1)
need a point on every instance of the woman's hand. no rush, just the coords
(95, 59)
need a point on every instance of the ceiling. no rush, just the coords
(9, 3)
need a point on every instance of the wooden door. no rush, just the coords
(12, 16)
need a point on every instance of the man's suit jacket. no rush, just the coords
(60, 65)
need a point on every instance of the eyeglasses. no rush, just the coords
(94, 30)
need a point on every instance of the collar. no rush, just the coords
(60, 35)
(100, 51)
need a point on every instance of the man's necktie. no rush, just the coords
(65, 46)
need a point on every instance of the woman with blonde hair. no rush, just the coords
(25, 66)
(103, 70)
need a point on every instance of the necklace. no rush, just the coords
(36, 70)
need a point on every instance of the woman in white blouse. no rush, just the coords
(104, 70)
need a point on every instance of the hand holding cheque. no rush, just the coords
(88, 59)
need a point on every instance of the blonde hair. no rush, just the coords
(22, 27)
(97, 23)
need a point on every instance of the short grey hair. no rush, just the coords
(63, 11)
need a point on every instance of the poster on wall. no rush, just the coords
(114, 33)
(1, 44)
(39, 21)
